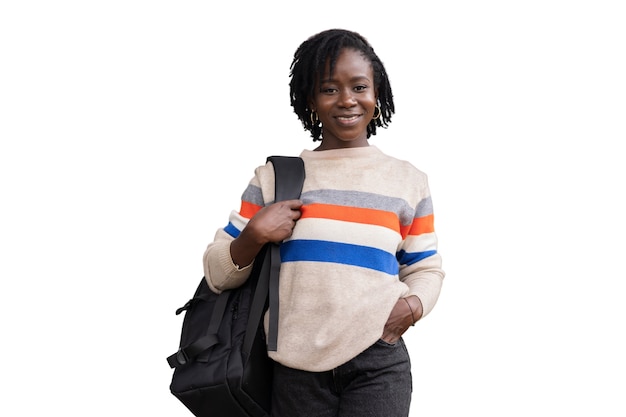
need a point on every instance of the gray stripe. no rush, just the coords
(253, 195)
(362, 200)
(424, 208)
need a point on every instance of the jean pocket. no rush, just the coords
(384, 343)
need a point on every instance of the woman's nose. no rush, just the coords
(346, 98)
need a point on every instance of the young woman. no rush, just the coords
(359, 253)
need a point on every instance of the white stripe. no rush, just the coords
(420, 243)
(346, 232)
(237, 220)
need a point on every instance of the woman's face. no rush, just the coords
(345, 101)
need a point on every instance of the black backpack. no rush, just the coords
(222, 368)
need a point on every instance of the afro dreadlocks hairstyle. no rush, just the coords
(309, 62)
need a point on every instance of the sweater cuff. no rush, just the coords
(220, 271)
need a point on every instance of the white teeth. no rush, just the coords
(346, 117)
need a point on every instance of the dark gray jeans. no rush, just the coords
(377, 383)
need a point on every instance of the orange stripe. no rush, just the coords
(248, 209)
(352, 214)
(422, 225)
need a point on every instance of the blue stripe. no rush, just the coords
(409, 258)
(340, 253)
(232, 230)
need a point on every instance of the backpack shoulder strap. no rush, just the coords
(289, 171)
(289, 179)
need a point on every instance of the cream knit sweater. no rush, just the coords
(365, 239)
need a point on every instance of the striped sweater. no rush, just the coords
(365, 239)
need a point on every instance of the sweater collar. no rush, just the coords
(364, 151)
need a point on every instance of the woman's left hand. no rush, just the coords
(403, 315)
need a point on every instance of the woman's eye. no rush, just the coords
(360, 87)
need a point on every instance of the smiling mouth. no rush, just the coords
(348, 118)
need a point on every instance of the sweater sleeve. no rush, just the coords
(219, 270)
(420, 262)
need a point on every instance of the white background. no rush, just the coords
(130, 128)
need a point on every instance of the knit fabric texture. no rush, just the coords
(365, 239)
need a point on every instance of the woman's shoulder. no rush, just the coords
(402, 166)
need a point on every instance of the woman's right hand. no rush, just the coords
(272, 223)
